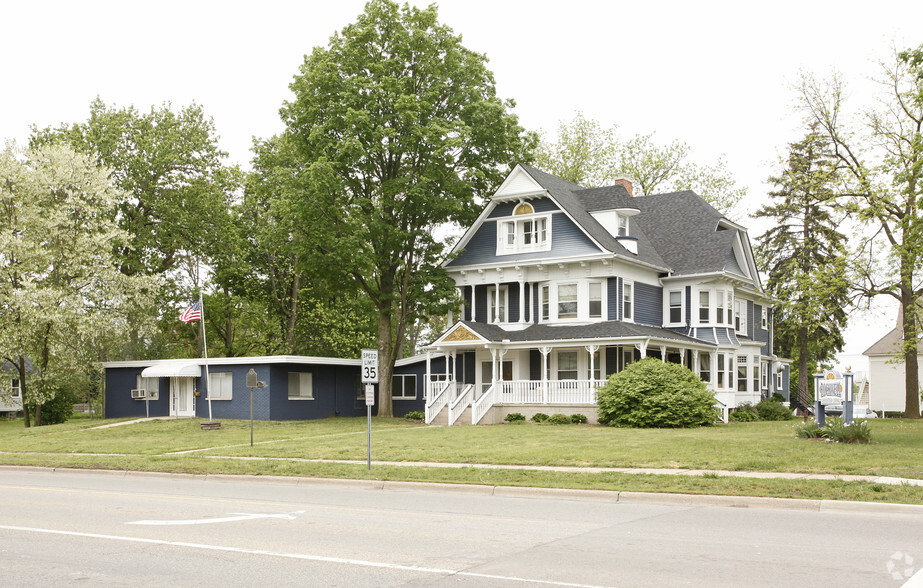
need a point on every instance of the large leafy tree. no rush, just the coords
(268, 299)
(176, 186)
(880, 154)
(62, 298)
(586, 153)
(396, 128)
(805, 256)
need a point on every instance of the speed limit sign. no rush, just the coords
(369, 366)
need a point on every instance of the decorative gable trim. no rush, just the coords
(459, 333)
(519, 184)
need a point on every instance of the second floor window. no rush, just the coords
(676, 306)
(704, 306)
(531, 234)
(546, 302)
(740, 316)
(628, 301)
(596, 299)
(496, 307)
(567, 301)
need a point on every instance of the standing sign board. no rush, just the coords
(369, 378)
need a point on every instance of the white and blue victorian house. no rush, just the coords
(565, 285)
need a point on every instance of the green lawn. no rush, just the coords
(896, 451)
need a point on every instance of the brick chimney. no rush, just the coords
(625, 182)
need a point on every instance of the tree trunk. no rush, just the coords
(22, 390)
(911, 367)
(802, 361)
(386, 359)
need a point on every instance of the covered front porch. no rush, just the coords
(484, 380)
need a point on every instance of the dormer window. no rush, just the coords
(529, 233)
(623, 225)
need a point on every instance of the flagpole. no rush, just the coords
(208, 382)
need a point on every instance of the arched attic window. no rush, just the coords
(523, 208)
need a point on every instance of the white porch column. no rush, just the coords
(642, 347)
(446, 366)
(714, 369)
(493, 366)
(522, 302)
(682, 356)
(473, 316)
(496, 317)
(591, 350)
(429, 375)
(663, 354)
(544, 351)
(695, 361)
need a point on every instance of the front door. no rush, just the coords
(182, 397)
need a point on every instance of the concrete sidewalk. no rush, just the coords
(598, 470)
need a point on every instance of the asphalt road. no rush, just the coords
(67, 528)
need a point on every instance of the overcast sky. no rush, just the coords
(716, 75)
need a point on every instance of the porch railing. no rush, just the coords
(463, 401)
(550, 392)
(437, 395)
(489, 398)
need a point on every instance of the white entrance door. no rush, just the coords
(182, 397)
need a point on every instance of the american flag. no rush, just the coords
(193, 313)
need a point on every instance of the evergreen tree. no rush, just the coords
(806, 257)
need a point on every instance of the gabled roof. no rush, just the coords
(579, 202)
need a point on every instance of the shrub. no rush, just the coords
(771, 410)
(558, 419)
(809, 430)
(578, 419)
(415, 415)
(745, 413)
(855, 432)
(539, 417)
(515, 417)
(836, 430)
(60, 408)
(777, 397)
(651, 393)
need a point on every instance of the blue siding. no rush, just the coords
(612, 360)
(506, 208)
(760, 334)
(648, 304)
(119, 384)
(567, 239)
(239, 405)
(535, 364)
(688, 306)
(614, 297)
(513, 299)
(480, 303)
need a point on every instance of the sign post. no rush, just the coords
(369, 378)
(252, 382)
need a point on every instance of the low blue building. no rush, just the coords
(295, 387)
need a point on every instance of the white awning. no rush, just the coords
(169, 368)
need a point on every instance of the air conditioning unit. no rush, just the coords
(138, 394)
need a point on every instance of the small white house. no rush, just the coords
(887, 391)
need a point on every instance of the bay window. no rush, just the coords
(704, 306)
(676, 306)
(567, 365)
(529, 234)
(705, 366)
(741, 373)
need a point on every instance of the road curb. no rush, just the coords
(800, 504)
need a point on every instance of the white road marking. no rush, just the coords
(238, 516)
(301, 556)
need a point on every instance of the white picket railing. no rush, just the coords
(550, 392)
(436, 399)
(489, 398)
(463, 401)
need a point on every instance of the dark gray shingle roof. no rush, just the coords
(601, 330)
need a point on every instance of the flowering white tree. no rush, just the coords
(60, 289)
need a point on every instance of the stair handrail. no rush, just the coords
(437, 403)
(458, 406)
